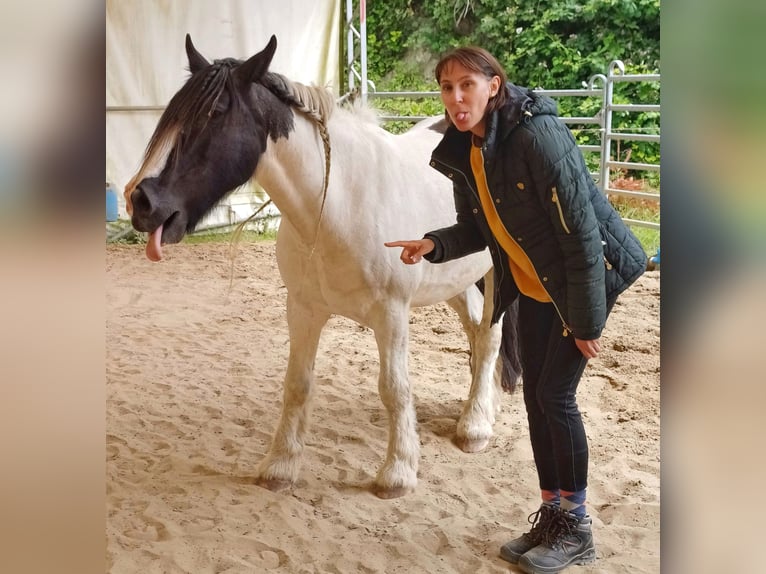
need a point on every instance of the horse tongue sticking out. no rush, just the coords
(154, 245)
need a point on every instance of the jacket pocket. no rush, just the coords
(607, 264)
(613, 282)
(555, 199)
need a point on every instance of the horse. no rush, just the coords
(343, 186)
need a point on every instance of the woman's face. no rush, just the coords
(465, 95)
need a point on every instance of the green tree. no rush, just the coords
(551, 44)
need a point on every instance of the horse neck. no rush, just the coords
(291, 171)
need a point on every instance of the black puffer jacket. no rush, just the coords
(583, 252)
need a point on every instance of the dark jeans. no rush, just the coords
(552, 367)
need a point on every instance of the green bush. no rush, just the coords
(550, 44)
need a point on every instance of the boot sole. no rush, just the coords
(585, 558)
(508, 556)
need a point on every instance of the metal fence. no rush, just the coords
(602, 152)
(602, 88)
(616, 75)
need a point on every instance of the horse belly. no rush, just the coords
(442, 281)
(335, 285)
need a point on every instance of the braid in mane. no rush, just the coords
(318, 104)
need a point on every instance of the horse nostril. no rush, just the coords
(141, 202)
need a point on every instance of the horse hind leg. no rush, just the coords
(398, 475)
(279, 469)
(474, 427)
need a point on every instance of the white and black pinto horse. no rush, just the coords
(343, 186)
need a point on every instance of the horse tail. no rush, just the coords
(509, 360)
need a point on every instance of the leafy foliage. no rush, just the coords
(551, 44)
(541, 43)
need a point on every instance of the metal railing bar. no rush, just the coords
(578, 93)
(596, 120)
(633, 165)
(135, 108)
(634, 137)
(635, 107)
(402, 94)
(634, 194)
(638, 223)
(635, 78)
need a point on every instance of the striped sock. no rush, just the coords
(550, 497)
(573, 502)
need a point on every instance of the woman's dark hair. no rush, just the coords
(482, 62)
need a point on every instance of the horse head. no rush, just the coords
(210, 138)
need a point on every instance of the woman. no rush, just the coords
(522, 189)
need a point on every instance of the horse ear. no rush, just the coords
(196, 60)
(255, 67)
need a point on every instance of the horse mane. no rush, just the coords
(198, 97)
(318, 103)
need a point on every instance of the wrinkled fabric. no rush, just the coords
(545, 196)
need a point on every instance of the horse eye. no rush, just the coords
(218, 109)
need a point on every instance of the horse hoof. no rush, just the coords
(273, 484)
(471, 445)
(389, 493)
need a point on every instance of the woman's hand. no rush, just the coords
(589, 349)
(413, 250)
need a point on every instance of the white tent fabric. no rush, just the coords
(146, 64)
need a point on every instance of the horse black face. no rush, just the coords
(217, 138)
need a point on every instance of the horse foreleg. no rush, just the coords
(279, 469)
(398, 475)
(474, 428)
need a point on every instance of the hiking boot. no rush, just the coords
(512, 551)
(568, 540)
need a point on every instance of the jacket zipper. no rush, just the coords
(555, 199)
(476, 195)
(606, 261)
(567, 328)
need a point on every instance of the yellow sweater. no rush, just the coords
(521, 267)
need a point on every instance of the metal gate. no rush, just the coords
(599, 86)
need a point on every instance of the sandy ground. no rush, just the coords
(194, 372)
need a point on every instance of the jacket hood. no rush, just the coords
(522, 103)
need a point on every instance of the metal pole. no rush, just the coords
(350, 43)
(363, 46)
(607, 143)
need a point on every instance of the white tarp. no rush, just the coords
(146, 64)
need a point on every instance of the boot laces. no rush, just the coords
(539, 521)
(559, 528)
